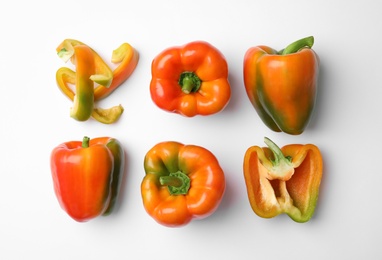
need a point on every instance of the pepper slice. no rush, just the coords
(282, 86)
(107, 80)
(182, 182)
(66, 77)
(103, 74)
(285, 180)
(190, 80)
(84, 98)
(87, 176)
(125, 56)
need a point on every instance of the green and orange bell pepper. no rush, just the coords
(285, 180)
(282, 86)
(182, 183)
(190, 80)
(105, 81)
(87, 176)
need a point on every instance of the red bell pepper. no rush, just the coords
(190, 80)
(87, 176)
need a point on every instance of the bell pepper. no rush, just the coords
(282, 85)
(182, 183)
(107, 80)
(87, 176)
(190, 80)
(285, 180)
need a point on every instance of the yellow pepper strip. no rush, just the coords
(64, 77)
(107, 116)
(103, 74)
(128, 58)
(84, 97)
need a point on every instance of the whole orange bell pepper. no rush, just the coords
(285, 180)
(282, 85)
(190, 80)
(182, 182)
(87, 176)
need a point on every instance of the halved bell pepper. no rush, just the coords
(87, 176)
(182, 183)
(285, 180)
(190, 80)
(282, 85)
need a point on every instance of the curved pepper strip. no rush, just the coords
(87, 176)
(285, 180)
(125, 55)
(282, 85)
(83, 101)
(103, 74)
(182, 182)
(190, 80)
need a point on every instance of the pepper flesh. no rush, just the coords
(107, 80)
(84, 98)
(182, 183)
(125, 56)
(282, 86)
(190, 80)
(103, 74)
(285, 180)
(87, 176)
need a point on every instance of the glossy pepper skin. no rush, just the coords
(190, 80)
(87, 176)
(84, 99)
(282, 86)
(182, 183)
(285, 180)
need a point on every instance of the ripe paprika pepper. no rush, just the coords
(190, 80)
(285, 180)
(87, 176)
(282, 85)
(182, 182)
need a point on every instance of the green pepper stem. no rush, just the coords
(278, 154)
(282, 168)
(85, 142)
(298, 45)
(189, 82)
(170, 181)
(177, 183)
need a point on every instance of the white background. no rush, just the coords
(346, 126)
